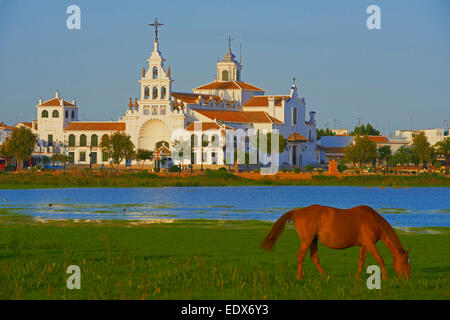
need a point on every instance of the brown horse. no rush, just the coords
(339, 229)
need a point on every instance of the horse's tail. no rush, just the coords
(277, 229)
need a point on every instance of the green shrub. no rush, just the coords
(309, 168)
(220, 173)
(297, 170)
(156, 169)
(320, 171)
(357, 171)
(144, 174)
(342, 167)
(174, 169)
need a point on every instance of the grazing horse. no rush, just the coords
(339, 229)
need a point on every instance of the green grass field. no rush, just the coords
(93, 179)
(200, 260)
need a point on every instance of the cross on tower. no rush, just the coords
(293, 79)
(229, 42)
(155, 25)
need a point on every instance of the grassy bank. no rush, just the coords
(210, 178)
(200, 260)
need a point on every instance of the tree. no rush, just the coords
(142, 155)
(363, 151)
(59, 157)
(401, 157)
(443, 149)
(118, 146)
(20, 145)
(322, 133)
(384, 153)
(421, 150)
(367, 130)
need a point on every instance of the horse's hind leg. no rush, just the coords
(362, 258)
(374, 252)
(305, 244)
(313, 250)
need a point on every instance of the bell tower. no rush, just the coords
(228, 69)
(156, 83)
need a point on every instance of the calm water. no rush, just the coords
(404, 207)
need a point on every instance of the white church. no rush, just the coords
(210, 112)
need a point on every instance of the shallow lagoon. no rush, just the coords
(402, 207)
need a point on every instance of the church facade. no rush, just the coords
(208, 114)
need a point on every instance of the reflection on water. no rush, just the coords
(403, 207)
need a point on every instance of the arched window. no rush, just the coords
(83, 140)
(163, 92)
(146, 92)
(194, 142)
(67, 114)
(155, 92)
(215, 140)
(73, 114)
(104, 138)
(224, 75)
(155, 72)
(205, 140)
(72, 140)
(44, 114)
(55, 114)
(94, 140)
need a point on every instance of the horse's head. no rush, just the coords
(402, 265)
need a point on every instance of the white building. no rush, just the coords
(5, 132)
(433, 135)
(220, 107)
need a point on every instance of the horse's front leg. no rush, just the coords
(374, 252)
(362, 259)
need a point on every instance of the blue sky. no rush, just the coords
(344, 70)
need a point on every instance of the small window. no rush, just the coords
(55, 114)
(155, 92)
(224, 75)
(44, 114)
(104, 157)
(154, 110)
(146, 110)
(83, 140)
(94, 140)
(163, 92)
(50, 140)
(73, 114)
(294, 115)
(162, 110)
(67, 114)
(82, 156)
(72, 157)
(72, 140)
(155, 72)
(146, 92)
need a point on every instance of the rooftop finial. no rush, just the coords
(155, 25)
(229, 43)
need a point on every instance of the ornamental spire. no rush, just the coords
(155, 25)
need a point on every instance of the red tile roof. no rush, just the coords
(56, 102)
(294, 137)
(4, 126)
(238, 116)
(100, 126)
(263, 101)
(206, 126)
(193, 97)
(378, 139)
(236, 85)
